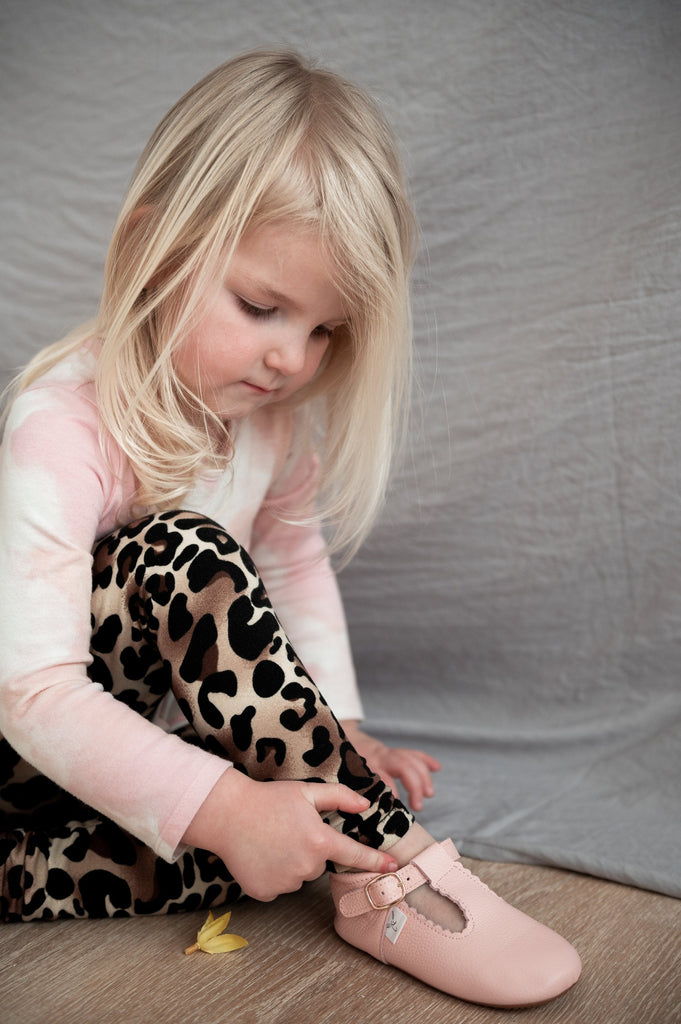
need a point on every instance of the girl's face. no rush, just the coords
(266, 325)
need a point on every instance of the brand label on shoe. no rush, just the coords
(394, 924)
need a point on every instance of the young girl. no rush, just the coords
(164, 747)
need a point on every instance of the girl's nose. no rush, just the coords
(288, 355)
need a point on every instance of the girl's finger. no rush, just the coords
(431, 763)
(417, 781)
(351, 854)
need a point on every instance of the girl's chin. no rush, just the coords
(240, 410)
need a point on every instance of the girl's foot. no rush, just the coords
(427, 901)
(488, 953)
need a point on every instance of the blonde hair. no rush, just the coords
(264, 137)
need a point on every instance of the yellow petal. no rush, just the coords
(206, 924)
(212, 926)
(209, 939)
(223, 944)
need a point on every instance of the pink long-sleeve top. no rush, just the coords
(59, 493)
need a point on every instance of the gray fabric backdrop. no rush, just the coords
(517, 610)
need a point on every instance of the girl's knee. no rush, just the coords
(171, 538)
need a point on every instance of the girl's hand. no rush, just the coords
(412, 768)
(270, 834)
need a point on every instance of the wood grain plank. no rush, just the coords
(296, 971)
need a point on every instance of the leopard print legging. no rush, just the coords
(197, 620)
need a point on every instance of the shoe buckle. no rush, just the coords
(379, 878)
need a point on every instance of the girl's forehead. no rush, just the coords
(279, 246)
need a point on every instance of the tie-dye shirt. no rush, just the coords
(59, 493)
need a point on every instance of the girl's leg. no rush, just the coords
(60, 859)
(198, 619)
(89, 867)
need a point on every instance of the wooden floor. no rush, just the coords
(296, 971)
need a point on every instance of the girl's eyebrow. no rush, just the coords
(277, 298)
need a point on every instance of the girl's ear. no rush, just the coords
(133, 231)
(132, 227)
(136, 221)
(139, 213)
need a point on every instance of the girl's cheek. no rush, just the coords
(319, 355)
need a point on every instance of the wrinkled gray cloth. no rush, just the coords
(518, 609)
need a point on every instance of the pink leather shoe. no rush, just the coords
(502, 958)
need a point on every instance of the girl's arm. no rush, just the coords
(57, 493)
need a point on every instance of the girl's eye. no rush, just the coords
(259, 312)
(323, 332)
(265, 312)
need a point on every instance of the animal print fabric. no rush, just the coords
(177, 603)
